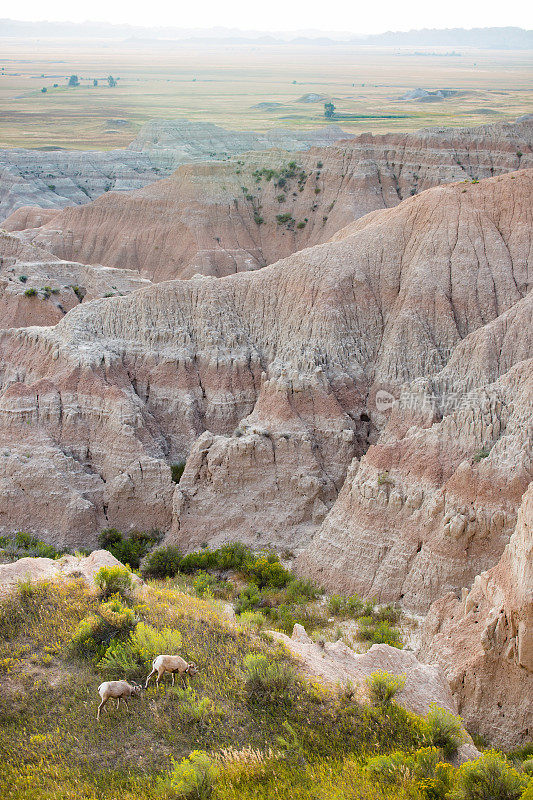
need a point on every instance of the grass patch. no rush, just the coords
(263, 730)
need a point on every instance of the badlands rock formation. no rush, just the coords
(58, 285)
(227, 217)
(171, 142)
(484, 641)
(39, 569)
(269, 380)
(59, 178)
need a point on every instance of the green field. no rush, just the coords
(222, 84)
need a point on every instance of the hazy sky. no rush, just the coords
(278, 15)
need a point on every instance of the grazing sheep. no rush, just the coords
(119, 690)
(171, 664)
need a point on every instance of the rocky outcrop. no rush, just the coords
(171, 142)
(46, 569)
(37, 288)
(337, 665)
(282, 366)
(53, 179)
(433, 502)
(230, 216)
(484, 641)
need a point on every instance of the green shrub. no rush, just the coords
(162, 563)
(445, 730)
(119, 660)
(203, 559)
(382, 687)
(117, 615)
(113, 580)
(266, 570)
(300, 590)
(232, 556)
(94, 633)
(423, 769)
(390, 613)
(176, 471)
(128, 549)
(206, 585)
(30, 292)
(336, 604)
(248, 600)
(528, 767)
(283, 218)
(521, 753)
(267, 679)
(191, 778)
(480, 455)
(378, 632)
(148, 642)
(489, 777)
(25, 540)
(252, 620)
(26, 544)
(354, 606)
(44, 550)
(91, 637)
(131, 658)
(284, 618)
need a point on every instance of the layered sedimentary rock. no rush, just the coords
(37, 288)
(281, 366)
(59, 178)
(434, 501)
(227, 217)
(484, 641)
(171, 142)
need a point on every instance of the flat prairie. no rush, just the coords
(246, 87)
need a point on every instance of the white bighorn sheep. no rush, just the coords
(171, 664)
(118, 690)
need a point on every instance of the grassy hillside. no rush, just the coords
(262, 729)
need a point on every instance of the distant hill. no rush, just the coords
(492, 38)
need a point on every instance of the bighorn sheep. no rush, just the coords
(119, 690)
(171, 664)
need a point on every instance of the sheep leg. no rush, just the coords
(127, 705)
(149, 676)
(102, 704)
(172, 679)
(159, 676)
(118, 702)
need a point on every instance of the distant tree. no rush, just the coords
(95, 82)
(44, 89)
(111, 80)
(56, 85)
(73, 80)
(329, 110)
